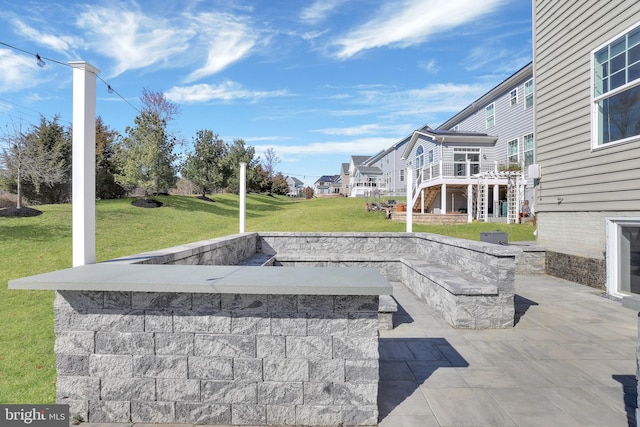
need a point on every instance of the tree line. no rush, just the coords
(35, 163)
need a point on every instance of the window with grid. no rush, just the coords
(489, 113)
(528, 94)
(512, 151)
(528, 146)
(616, 92)
(513, 95)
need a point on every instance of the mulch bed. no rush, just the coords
(22, 212)
(147, 203)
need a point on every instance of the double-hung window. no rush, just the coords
(615, 109)
(489, 113)
(512, 151)
(513, 95)
(528, 146)
(528, 94)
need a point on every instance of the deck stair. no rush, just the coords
(429, 193)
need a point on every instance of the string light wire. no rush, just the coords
(41, 63)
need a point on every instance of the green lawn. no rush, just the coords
(35, 245)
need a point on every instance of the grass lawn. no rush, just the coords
(39, 244)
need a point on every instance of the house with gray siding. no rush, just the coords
(296, 187)
(482, 160)
(587, 130)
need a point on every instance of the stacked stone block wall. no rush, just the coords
(217, 358)
(228, 250)
(428, 218)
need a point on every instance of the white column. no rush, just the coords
(409, 220)
(83, 191)
(243, 194)
(422, 201)
(485, 208)
(443, 198)
(470, 203)
(496, 200)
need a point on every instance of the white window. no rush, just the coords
(430, 156)
(528, 149)
(401, 175)
(512, 151)
(514, 96)
(528, 94)
(419, 157)
(460, 157)
(489, 113)
(455, 128)
(615, 110)
(623, 255)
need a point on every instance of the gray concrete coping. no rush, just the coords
(632, 302)
(211, 279)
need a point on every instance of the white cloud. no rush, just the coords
(319, 10)
(363, 145)
(18, 72)
(227, 38)
(368, 129)
(61, 44)
(226, 91)
(429, 66)
(132, 39)
(411, 22)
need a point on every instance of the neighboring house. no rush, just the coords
(327, 184)
(345, 179)
(477, 161)
(393, 166)
(366, 180)
(296, 187)
(587, 123)
(360, 184)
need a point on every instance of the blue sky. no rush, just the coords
(318, 81)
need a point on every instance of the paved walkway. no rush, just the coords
(569, 361)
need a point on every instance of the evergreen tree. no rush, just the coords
(239, 152)
(280, 185)
(145, 156)
(206, 166)
(106, 186)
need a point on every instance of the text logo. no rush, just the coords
(34, 415)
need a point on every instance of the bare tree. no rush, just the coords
(156, 102)
(270, 162)
(22, 160)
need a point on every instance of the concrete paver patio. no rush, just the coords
(569, 361)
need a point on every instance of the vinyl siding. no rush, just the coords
(511, 122)
(606, 179)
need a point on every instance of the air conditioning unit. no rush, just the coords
(533, 171)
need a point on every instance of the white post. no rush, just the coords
(409, 209)
(443, 198)
(243, 194)
(470, 202)
(84, 163)
(496, 200)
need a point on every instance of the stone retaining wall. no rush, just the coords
(429, 218)
(217, 359)
(227, 250)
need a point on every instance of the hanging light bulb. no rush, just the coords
(40, 62)
(109, 89)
